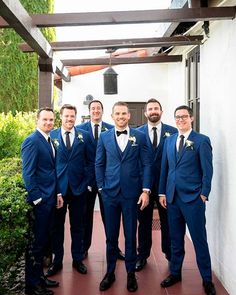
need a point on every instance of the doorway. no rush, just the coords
(137, 114)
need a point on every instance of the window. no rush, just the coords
(193, 85)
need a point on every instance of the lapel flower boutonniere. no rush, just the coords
(167, 134)
(103, 129)
(189, 144)
(55, 143)
(132, 139)
(80, 137)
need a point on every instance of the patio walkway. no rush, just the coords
(73, 283)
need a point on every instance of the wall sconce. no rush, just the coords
(110, 77)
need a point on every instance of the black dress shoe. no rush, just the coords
(53, 269)
(38, 290)
(132, 284)
(80, 267)
(48, 283)
(171, 280)
(121, 255)
(107, 281)
(209, 288)
(140, 264)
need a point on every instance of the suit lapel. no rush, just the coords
(173, 147)
(46, 144)
(180, 156)
(129, 144)
(75, 142)
(62, 144)
(113, 144)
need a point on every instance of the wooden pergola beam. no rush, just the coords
(131, 17)
(123, 60)
(121, 43)
(18, 18)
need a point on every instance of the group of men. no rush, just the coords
(130, 169)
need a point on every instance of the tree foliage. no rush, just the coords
(19, 71)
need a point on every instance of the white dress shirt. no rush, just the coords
(99, 128)
(122, 140)
(71, 135)
(186, 135)
(150, 132)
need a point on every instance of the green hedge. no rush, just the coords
(18, 70)
(13, 130)
(13, 213)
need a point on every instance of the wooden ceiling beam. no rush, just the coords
(123, 60)
(121, 43)
(131, 17)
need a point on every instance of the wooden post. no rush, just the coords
(45, 89)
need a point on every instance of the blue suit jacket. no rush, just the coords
(190, 173)
(87, 127)
(156, 153)
(76, 166)
(38, 167)
(120, 172)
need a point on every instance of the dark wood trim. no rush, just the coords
(121, 43)
(131, 17)
(123, 60)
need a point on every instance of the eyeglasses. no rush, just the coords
(184, 117)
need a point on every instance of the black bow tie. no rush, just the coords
(118, 133)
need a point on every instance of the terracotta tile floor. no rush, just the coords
(73, 283)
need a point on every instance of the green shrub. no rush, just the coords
(13, 130)
(13, 213)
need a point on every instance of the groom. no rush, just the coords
(120, 150)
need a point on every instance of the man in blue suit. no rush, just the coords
(95, 126)
(75, 172)
(156, 133)
(39, 176)
(185, 184)
(123, 183)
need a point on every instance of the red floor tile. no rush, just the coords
(73, 283)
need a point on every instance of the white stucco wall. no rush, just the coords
(135, 83)
(218, 120)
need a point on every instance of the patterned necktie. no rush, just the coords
(154, 143)
(181, 144)
(68, 145)
(96, 131)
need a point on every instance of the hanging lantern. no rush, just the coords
(110, 81)
(110, 77)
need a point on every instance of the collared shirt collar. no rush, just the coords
(45, 135)
(158, 126)
(127, 128)
(186, 134)
(92, 124)
(72, 131)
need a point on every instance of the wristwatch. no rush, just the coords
(147, 191)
